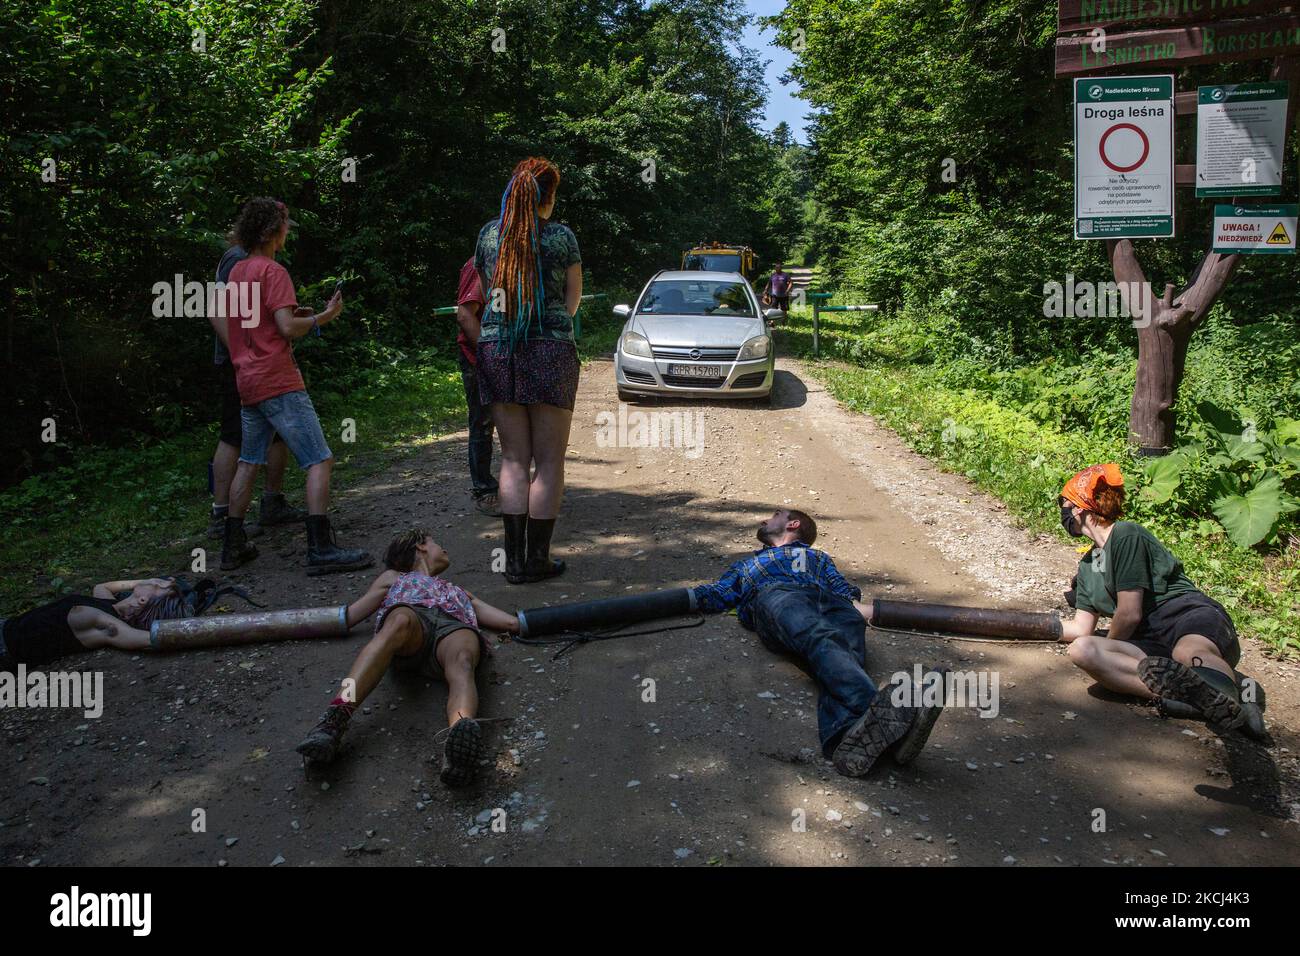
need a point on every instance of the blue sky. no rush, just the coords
(781, 103)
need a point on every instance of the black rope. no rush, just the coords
(579, 638)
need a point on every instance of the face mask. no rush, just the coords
(1068, 523)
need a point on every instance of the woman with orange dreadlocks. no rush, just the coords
(527, 361)
(1168, 642)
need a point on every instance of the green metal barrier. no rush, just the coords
(817, 298)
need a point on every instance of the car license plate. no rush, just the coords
(696, 371)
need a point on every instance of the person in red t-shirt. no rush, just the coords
(469, 314)
(272, 390)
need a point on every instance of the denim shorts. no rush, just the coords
(294, 418)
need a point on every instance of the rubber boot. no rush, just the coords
(323, 553)
(538, 563)
(275, 510)
(235, 549)
(516, 529)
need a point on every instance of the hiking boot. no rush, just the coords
(1213, 694)
(462, 753)
(235, 549)
(275, 510)
(322, 744)
(912, 742)
(488, 504)
(217, 527)
(538, 563)
(516, 531)
(882, 726)
(324, 554)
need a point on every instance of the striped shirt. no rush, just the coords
(420, 590)
(795, 563)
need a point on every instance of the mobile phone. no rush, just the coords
(341, 285)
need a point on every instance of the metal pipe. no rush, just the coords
(630, 609)
(222, 629)
(978, 621)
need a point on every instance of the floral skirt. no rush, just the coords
(538, 372)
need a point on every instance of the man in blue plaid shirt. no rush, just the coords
(797, 601)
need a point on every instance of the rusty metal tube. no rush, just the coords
(222, 629)
(976, 621)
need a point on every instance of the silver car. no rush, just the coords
(695, 334)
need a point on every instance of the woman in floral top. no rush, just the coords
(426, 625)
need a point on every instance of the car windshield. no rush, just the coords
(718, 262)
(692, 297)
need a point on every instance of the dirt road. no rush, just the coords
(720, 766)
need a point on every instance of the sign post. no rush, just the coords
(1124, 157)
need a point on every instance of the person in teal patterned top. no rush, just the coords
(559, 247)
(527, 361)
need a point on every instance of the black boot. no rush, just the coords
(538, 563)
(324, 554)
(235, 549)
(516, 528)
(275, 510)
(1210, 692)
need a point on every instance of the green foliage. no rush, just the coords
(1244, 475)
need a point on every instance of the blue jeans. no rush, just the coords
(480, 433)
(827, 633)
(293, 417)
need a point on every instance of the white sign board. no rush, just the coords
(1240, 135)
(1124, 157)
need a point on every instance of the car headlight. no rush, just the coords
(634, 343)
(755, 348)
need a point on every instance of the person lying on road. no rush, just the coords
(76, 623)
(426, 625)
(799, 604)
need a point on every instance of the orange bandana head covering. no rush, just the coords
(1082, 488)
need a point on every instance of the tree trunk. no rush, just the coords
(1162, 351)
(1164, 327)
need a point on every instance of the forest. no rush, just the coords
(936, 181)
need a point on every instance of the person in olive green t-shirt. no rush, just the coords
(1168, 642)
(1132, 559)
